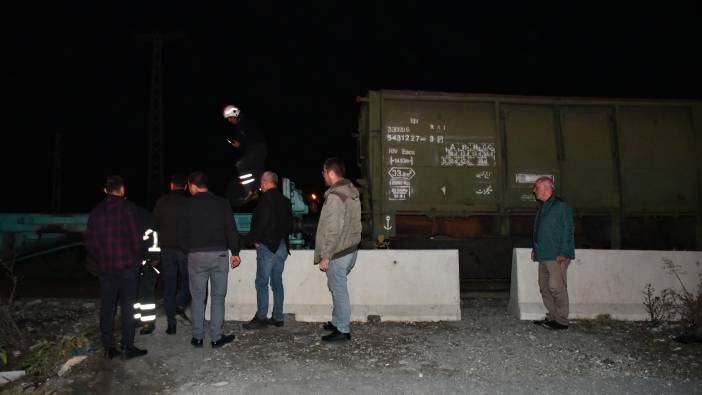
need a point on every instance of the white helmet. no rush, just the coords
(230, 111)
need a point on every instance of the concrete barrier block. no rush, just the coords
(603, 282)
(396, 285)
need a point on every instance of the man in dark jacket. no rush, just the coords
(553, 249)
(209, 236)
(168, 213)
(270, 226)
(113, 238)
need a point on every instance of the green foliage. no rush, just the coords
(46, 356)
(671, 303)
(660, 308)
(15, 388)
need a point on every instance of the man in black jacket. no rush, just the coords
(209, 235)
(270, 226)
(168, 213)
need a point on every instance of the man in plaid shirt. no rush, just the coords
(113, 238)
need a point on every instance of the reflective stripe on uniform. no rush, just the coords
(148, 318)
(154, 247)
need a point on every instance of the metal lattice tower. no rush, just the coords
(155, 174)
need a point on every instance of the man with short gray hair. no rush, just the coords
(270, 226)
(553, 248)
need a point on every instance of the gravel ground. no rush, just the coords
(488, 351)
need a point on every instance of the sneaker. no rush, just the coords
(336, 336)
(276, 323)
(328, 326)
(539, 322)
(196, 342)
(554, 325)
(222, 341)
(255, 323)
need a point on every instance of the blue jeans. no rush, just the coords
(269, 268)
(336, 281)
(212, 266)
(174, 263)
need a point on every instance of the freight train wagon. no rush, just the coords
(457, 170)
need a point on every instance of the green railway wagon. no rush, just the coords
(443, 168)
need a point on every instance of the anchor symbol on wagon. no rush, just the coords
(387, 225)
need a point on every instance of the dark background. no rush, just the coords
(296, 69)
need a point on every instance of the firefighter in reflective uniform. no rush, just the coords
(145, 307)
(245, 138)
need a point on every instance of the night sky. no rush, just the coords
(296, 69)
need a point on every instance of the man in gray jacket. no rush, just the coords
(336, 243)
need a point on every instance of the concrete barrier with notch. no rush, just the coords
(604, 282)
(396, 285)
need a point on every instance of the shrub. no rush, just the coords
(675, 304)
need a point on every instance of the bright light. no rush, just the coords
(313, 196)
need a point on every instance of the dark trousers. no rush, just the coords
(118, 285)
(254, 162)
(145, 306)
(174, 263)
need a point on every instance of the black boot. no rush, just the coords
(171, 330)
(133, 352)
(111, 352)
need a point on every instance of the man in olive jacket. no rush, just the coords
(336, 243)
(553, 249)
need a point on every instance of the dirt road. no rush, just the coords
(488, 351)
